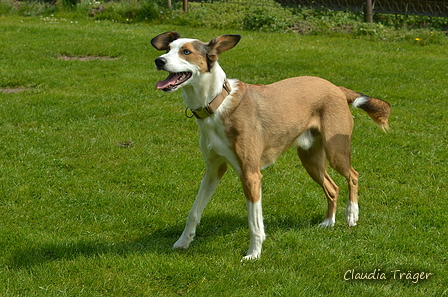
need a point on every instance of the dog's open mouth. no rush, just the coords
(173, 81)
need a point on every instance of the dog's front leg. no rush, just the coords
(252, 189)
(215, 170)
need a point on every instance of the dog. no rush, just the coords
(248, 126)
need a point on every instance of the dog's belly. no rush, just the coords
(268, 158)
(271, 153)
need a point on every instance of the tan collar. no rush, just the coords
(204, 112)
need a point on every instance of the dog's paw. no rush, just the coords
(182, 243)
(352, 214)
(352, 220)
(327, 223)
(251, 257)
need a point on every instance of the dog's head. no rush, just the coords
(186, 59)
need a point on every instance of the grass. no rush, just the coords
(99, 170)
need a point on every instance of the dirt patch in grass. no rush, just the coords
(86, 58)
(11, 90)
(125, 144)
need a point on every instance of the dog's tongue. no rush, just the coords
(170, 80)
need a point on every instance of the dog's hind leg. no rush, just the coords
(314, 161)
(215, 170)
(338, 155)
(352, 205)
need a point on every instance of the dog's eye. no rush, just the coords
(186, 52)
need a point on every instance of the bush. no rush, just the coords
(5, 8)
(263, 15)
(220, 15)
(268, 16)
(124, 11)
(27, 8)
(260, 15)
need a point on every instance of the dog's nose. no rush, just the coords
(160, 62)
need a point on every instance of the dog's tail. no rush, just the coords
(377, 109)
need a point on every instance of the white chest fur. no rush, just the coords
(214, 141)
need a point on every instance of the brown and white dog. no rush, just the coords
(249, 126)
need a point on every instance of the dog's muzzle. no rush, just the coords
(160, 62)
(174, 80)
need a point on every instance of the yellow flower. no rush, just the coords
(417, 39)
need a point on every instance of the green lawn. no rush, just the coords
(98, 171)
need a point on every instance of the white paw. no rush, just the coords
(183, 243)
(327, 223)
(352, 214)
(251, 257)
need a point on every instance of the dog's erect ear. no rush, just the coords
(162, 41)
(221, 44)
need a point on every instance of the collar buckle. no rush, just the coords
(202, 113)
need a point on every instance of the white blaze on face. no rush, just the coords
(185, 59)
(186, 55)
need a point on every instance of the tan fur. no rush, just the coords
(195, 57)
(262, 121)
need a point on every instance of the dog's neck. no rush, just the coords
(205, 88)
